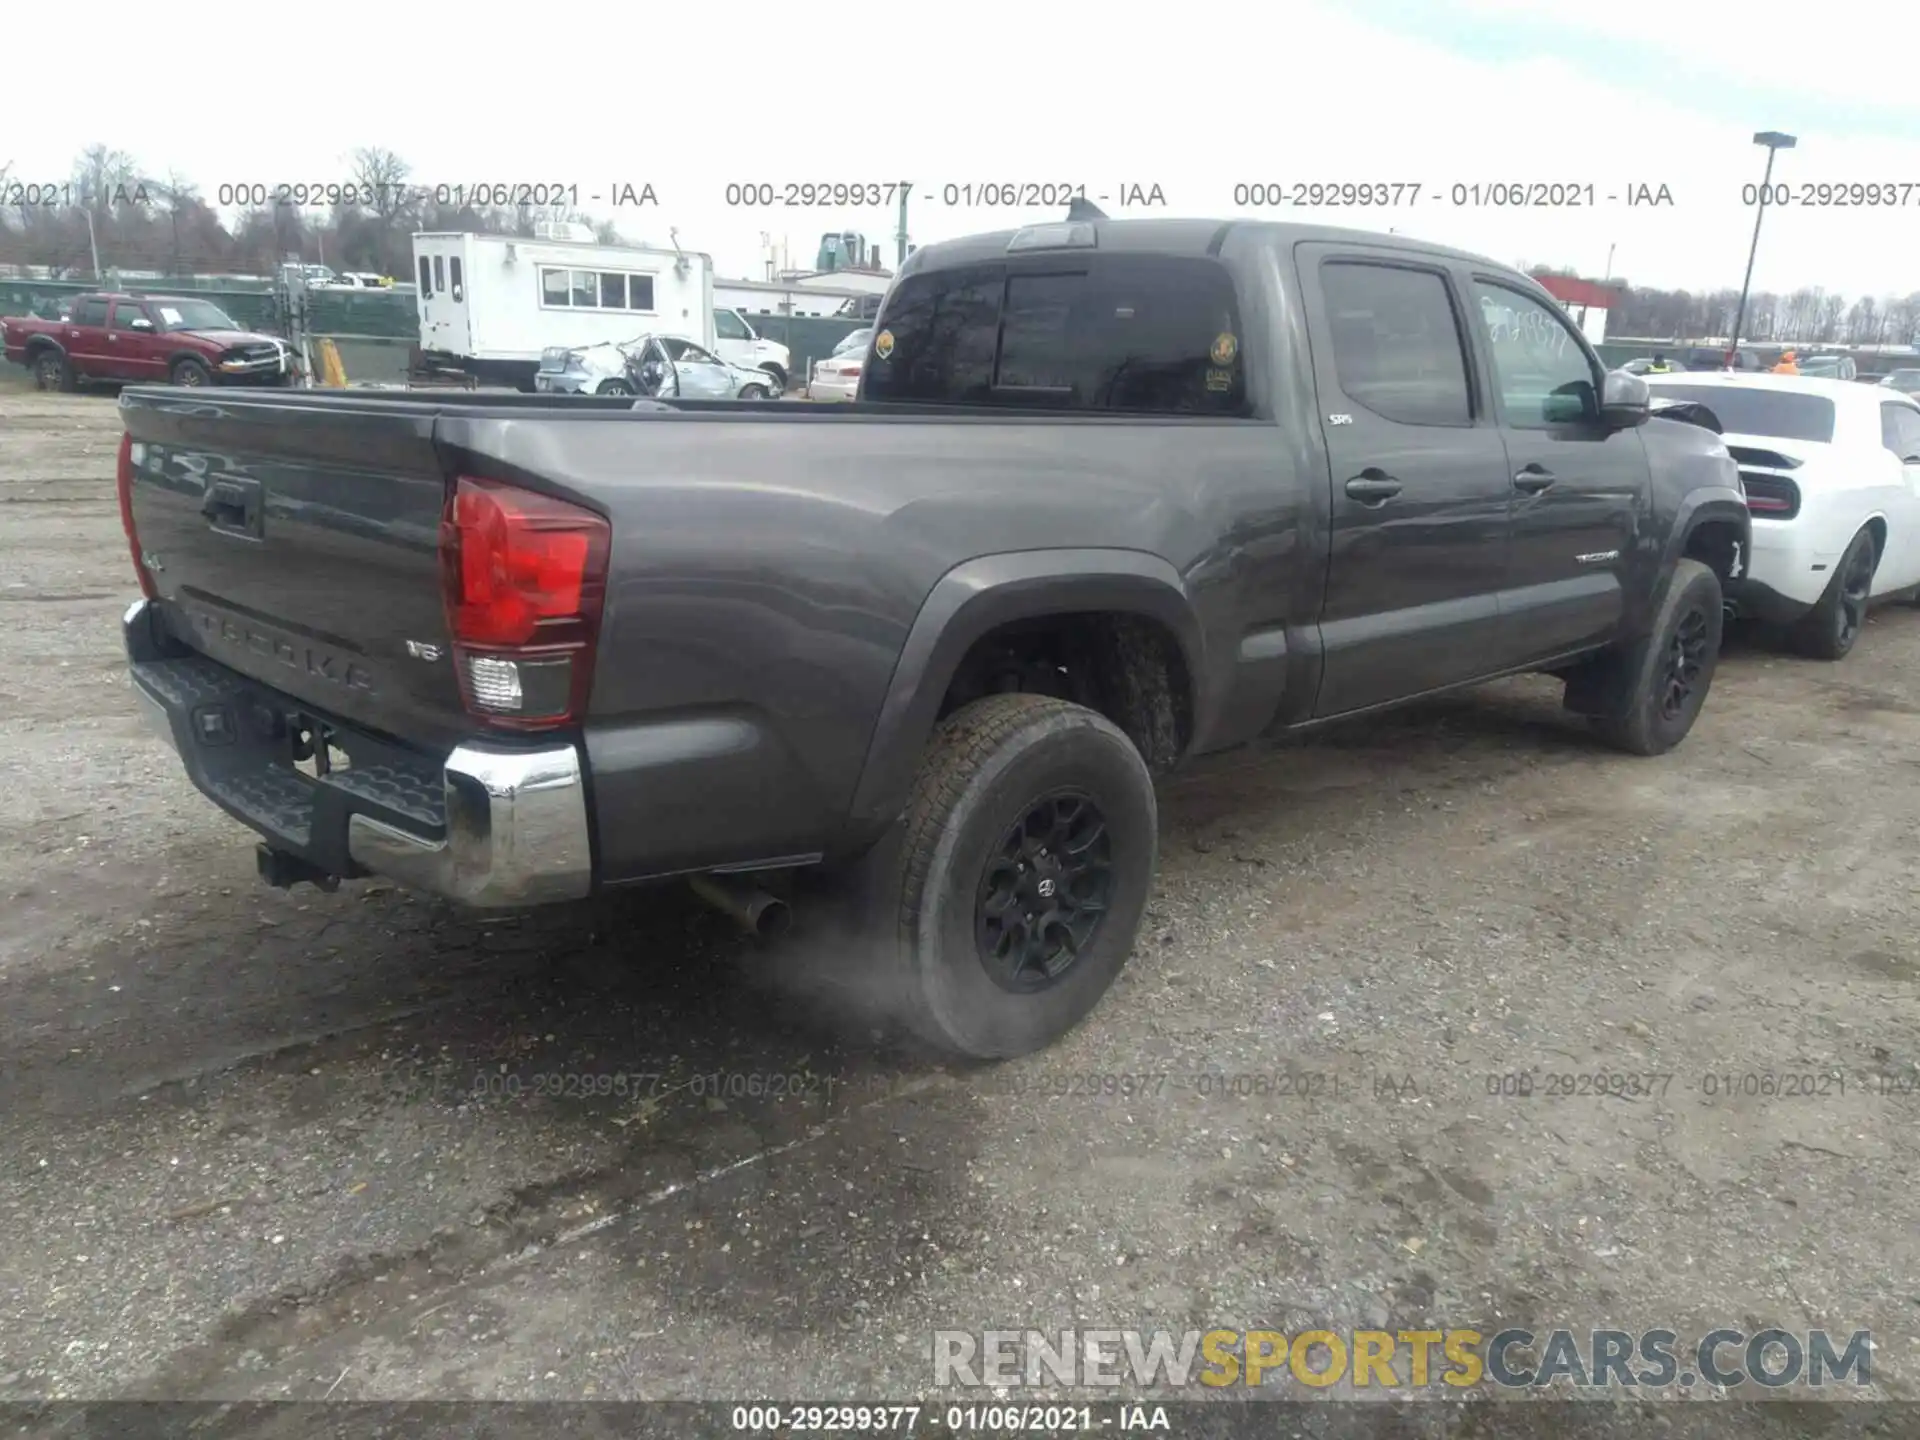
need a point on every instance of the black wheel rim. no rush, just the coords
(1855, 585)
(1045, 892)
(1686, 658)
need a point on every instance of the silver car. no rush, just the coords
(664, 366)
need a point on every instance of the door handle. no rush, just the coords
(1373, 487)
(1532, 480)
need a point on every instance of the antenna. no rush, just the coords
(1081, 208)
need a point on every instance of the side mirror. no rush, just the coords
(1625, 400)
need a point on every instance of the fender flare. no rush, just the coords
(982, 594)
(34, 344)
(1710, 503)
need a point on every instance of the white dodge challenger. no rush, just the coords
(1832, 474)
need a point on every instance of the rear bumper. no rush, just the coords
(487, 826)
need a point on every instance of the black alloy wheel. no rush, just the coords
(1047, 887)
(1686, 659)
(1856, 584)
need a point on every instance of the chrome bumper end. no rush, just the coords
(516, 832)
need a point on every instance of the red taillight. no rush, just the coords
(525, 577)
(123, 482)
(1768, 503)
(850, 369)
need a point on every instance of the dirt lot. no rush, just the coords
(267, 1144)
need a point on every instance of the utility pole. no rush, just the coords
(900, 235)
(1609, 275)
(92, 243)
(1775, 142)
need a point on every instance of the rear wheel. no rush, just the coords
(190, 372)
(1014, 898)
(614, 387)
(1829, 630)
(1647, 695)
(52, 371)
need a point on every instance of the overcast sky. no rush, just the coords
(1192, 98)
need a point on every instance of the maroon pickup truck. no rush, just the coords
(147, 339)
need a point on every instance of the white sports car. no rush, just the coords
(1832, 475)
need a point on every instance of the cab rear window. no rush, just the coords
(1129, 334)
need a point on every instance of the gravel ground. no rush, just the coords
(261, 1144)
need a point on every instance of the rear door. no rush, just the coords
(443, 300)
(85, 338)
(1420, 495)
(295, 539)
(1581, 491)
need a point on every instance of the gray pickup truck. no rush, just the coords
(1115, 493)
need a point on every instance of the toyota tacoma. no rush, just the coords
(1113, 494)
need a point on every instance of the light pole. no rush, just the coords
(1775, 143)
(1609, 275)
(93, 245)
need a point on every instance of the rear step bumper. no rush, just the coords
(487, 827)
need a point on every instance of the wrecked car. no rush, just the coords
(664, 366)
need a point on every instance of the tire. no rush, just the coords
(776, 380)
(53, 372)
(190, 372)
(614, 387)
(1650, 692)
(1830, 630)
(996, 772)
(753, 392)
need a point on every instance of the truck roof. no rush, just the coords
(1190, 237)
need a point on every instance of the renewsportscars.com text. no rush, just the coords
(1514, 1359)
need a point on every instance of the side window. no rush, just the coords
(1543, 374)
(90, 312)
(1900, 429)
(1396, 342)
(125, 312)
(640, 293)
(583, 289)
(553, 287)
(694, 355)
(426, 278)
(613, 291)
(729, 326)
(453, 276)
(439, 274)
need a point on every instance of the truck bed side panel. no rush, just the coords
(769, 562)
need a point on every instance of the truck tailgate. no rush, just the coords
(295, 539)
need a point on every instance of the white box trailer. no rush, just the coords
(489, 304)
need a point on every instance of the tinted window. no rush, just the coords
(453, 275)
(944, 328)
(426, 277)
(1396, 342)
(729, 326)
(125, 312)
(640, 292)
(439, 274)
(613, 292)
(90, 312)
(1543, 375)
(1134, 333)
(1774, 414)
(583, 289)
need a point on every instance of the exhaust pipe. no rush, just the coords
(761, 915)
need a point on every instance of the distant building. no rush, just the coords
(1587, 301)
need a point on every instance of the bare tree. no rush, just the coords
(101, 176)
(382, 178)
